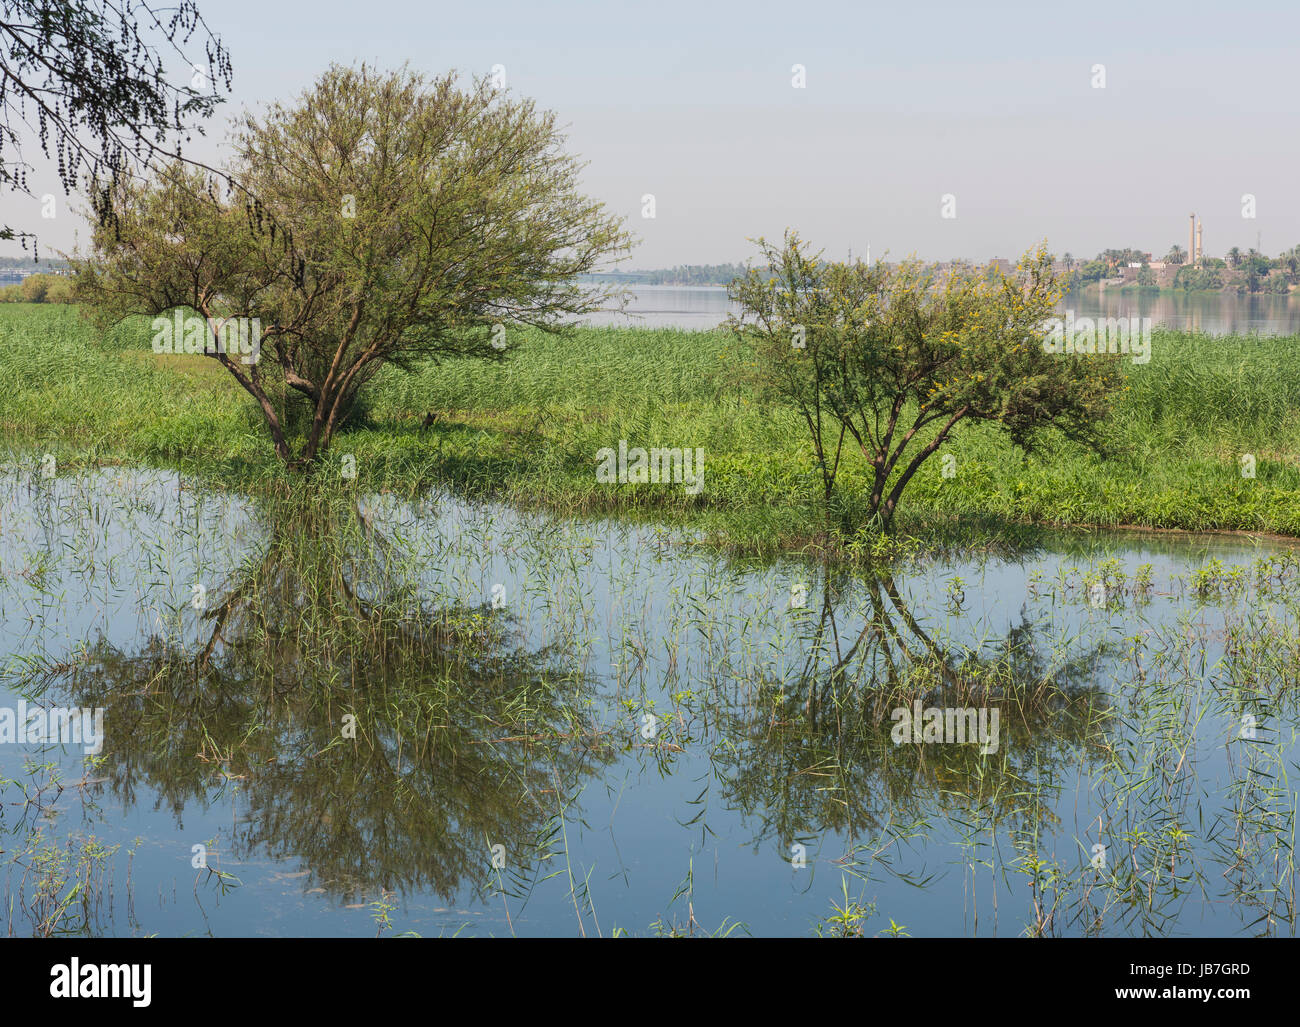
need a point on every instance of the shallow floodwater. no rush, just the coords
(648, 738)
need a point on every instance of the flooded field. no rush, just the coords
(356, 715)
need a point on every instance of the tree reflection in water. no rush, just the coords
(461, 735)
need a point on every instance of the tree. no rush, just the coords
(1234, 256)
(417, 222)
(1176, 255)
(89, 77)
(693, 274)
(896, 358)
(44, 289)
(1093, 271)
(34, 288)
(1198, 279)
(1114, 258)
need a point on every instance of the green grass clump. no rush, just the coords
(528, 430)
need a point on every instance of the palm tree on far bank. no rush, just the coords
(1291, 258)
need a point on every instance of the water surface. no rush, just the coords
(657, 738)
(699, 308)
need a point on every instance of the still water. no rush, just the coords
(442, 717)
(1212, 313)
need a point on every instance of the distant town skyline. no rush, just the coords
(1156, 255)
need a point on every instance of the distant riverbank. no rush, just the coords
(1114, 285)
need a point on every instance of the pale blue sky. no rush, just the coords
(904, 102)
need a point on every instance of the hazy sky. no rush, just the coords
(904, 102)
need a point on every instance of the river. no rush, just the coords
(700, 308)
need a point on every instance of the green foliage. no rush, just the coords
(39, 288)
(1191, 279)
(527, 430)
(1093, 271)
(397, 221)
(896, 359)
(90, 80)
(696, 274)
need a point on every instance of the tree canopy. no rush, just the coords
(894, 359)
(417, 220)
(90, 79)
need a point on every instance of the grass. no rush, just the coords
(528, 431)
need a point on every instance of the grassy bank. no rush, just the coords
(529, 430)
